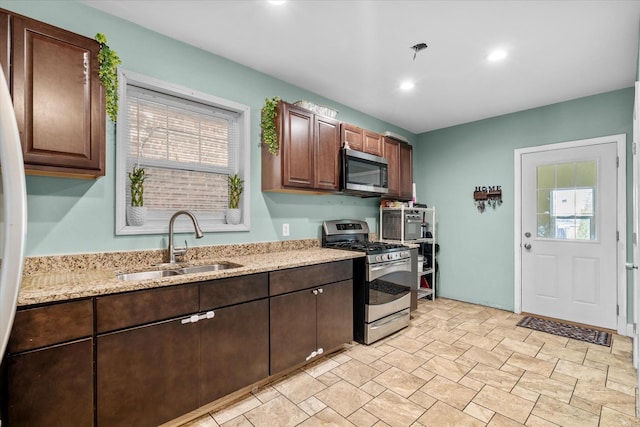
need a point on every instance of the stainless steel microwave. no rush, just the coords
(364, 174)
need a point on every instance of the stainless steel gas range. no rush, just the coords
(382, 279)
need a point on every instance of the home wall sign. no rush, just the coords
(487, 196)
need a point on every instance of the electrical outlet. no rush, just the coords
(285, 229)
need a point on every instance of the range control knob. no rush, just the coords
(378, 258)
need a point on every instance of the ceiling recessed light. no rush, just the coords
(407, 85)
(277, 2)
(497, 55)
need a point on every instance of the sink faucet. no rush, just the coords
(173, 251)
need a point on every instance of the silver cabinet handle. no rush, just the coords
(320, 291)
(315, 292)
(527, 246)
(197, 317)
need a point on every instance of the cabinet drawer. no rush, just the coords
(51, 324)
(295, 279)
(137, 308)
(234, 290)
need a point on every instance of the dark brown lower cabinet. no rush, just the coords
(147, 375)
(52, 386)
(304, 321)
(234, 349)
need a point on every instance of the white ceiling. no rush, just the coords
(358, 52)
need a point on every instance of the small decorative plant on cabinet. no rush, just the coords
(137, 212)
(232, 215)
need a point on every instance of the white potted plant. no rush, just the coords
(232, 215)
(137, 212)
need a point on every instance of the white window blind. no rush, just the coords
(187, 145)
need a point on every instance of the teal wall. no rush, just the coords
(74, 216)
(476, 257)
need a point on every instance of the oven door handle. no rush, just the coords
(377, 271)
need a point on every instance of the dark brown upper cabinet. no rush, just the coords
(400, 172)
(309, 154)
(361, 139)
(57, 97)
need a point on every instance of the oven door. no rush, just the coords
(412, 228)
(388, 289)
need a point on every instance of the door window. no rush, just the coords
(566, 200)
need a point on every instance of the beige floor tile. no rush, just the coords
(394, 409)
(443, 415)
(372, 388)
(362, 418)
(472, 384)
(328, 378)
(479, 341)
(312, 405)
(479, 412)
(322, 367)
(541, 338)
(623, 375)
(512, 332)
(525, 393)
(502, 421)
(535, 421)
(267, 393)
(447, 368)
(365, 354)
(448, 351)
(546, 386)
(476, 328)
(563, 414)
(423, 373)
(507, 404)
(240, 421)
(586, 405)
(326, 417)
(607, 358)
(508, 346)
(581, 372)
(449, 392)
(405, 343)
(403, 360)
(494, 377)
(575, 356)
(442, 336)
(299, 387)
(531, 364)
(399, 381)
(356, 372)
(604, 396)
(611, 418)
(423, 399)
(236, 409)
(623, 388)
(279, 411)
(344, 398)
(488, 358)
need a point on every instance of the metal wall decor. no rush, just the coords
(487, 196)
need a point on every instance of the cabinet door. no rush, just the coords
(52, 386)
(352, 135)
(406, 171)
(335, 314)
(392, 153)
(327, 153)
(297, 147)
(372, 143)
(147, 375)
(234, 349)
(58, 99)
(292, 329)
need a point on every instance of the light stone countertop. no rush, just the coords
(44, 287)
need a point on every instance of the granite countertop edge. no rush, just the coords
(47, 287)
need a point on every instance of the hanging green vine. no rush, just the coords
(109, 61)
(268, 124)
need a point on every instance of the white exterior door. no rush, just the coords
(569, 234)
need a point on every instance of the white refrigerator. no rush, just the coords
(14, 212)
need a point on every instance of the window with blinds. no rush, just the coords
(187, 143)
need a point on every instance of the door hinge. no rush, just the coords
(617, 162)
(635, 329)
(634, 148)
(617, 310)
(617, 236)
(635, 238)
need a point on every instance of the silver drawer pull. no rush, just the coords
(197, 317)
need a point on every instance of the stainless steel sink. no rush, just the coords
(158, 274)
(208, 267)
(145, 275)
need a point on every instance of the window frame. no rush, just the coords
(182, 225)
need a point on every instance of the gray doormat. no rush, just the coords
(565, 330)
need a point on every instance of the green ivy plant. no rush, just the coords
(109, 61)
(137, 188)
(235, 190)
(268, 124)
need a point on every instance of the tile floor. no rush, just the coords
(458, 364)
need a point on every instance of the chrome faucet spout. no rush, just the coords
(173, 251)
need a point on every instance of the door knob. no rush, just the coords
(527, 246)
